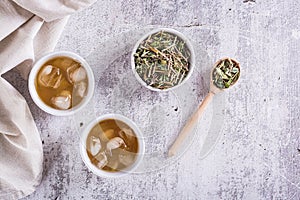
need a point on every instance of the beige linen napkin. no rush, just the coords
(28, 30)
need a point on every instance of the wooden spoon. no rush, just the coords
(198, 113)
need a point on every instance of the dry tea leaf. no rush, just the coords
(226, 73)
(162, 60)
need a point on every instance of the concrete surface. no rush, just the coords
(257, 146)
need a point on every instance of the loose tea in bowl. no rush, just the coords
(163, 59)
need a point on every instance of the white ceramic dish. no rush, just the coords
(106, 174)
(32, 87)
(174, 32)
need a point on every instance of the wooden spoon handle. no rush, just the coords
(190, 124)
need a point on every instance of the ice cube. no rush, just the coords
(127, 158)
(70, 70)
(50, 77)
(102, 160)
(95, 145)
(80, 89)
(62, 101)
(114, 143)
(78, 75)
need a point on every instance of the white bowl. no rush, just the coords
(103, 173)
(32, 87)
(174, 32)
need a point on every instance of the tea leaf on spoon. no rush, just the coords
(226, 73)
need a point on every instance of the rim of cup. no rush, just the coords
(174, 32)
(32, 86)
(103, 173)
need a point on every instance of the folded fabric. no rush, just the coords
(29, 30)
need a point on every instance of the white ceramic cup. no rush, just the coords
(32, 87)
(103, 173)
(182, 37)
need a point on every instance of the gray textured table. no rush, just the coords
(257, 151)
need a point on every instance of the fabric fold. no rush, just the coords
(29, 30)
(18, 46)
(53, 9)
(12, 16)
(21, 154)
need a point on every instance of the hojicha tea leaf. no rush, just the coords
(226, 73)
(162, 60)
